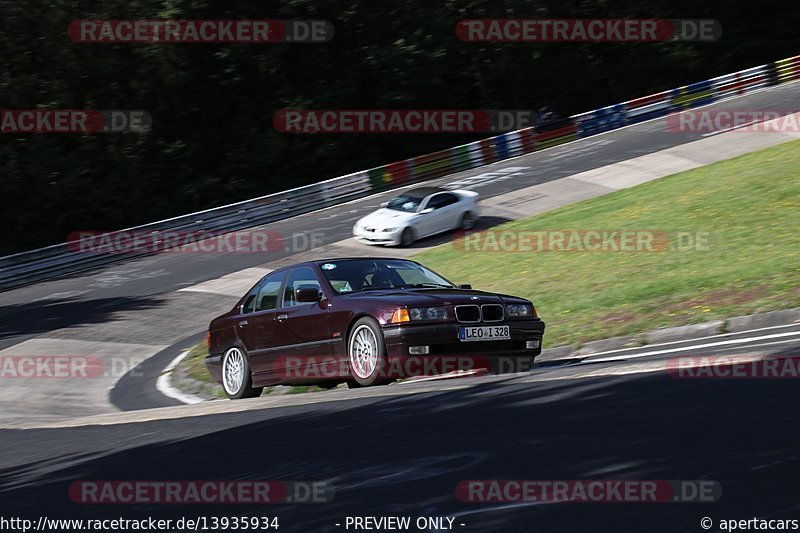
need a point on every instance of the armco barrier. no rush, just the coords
(605, 119)
(29, 267)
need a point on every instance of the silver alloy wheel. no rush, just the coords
(233, 371)
(363, 351)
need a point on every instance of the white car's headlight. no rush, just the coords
(519, 310)
(389, 230)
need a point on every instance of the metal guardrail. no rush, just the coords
(36, 265)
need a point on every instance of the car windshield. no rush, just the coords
(405, 202)
(356, 275)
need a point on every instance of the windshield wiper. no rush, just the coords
(426, 286)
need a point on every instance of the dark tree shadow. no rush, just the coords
(47, 315)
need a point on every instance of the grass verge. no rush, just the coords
(750, 207)
(192, 376)
(193, 365)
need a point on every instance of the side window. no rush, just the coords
(442, 200)
(249, 304)
(447, 199)
(298, 277)
(435, 202)
(265, 297)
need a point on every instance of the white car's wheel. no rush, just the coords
(467, 221)
(408, 237)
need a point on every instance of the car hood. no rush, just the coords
(386, 218)
(434, 297)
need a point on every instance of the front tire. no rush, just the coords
(237, 378)
(366, 353)
(407, 238)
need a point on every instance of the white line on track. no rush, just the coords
(671, 343)
(695, 347)
(761, 344)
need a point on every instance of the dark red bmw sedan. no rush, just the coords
(366, 321)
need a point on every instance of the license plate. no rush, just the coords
(484, 333)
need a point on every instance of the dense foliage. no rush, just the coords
(213, 141)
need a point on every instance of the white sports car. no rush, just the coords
(418, 213)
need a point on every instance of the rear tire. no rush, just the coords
(467, 221)
(237, 378)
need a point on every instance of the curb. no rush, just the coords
(677, 333)
(167, 388)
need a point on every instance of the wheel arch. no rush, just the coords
(355, 318)
(238, 344)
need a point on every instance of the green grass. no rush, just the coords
(751, 206)
(193, 367)
(194, 364)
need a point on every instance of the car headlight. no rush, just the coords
(416, 314)
(427, 313)
(389, 230)
(519, 310)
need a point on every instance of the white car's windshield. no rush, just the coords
(404, 202)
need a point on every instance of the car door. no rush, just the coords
(256, 324)
(303, 327)
(430, 223)
(450, 206)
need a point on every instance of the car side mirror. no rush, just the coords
(465, 286)
(426, 211)
(384, 204)
(307, 294)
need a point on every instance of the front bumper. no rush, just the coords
(444, 345)
(377, 237)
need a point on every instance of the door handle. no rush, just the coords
(243, 323)
(281, 318)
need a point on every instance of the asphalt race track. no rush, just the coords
(404, 455)
(401, 450)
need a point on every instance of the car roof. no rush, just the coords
(422, 192)
(340, 259)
